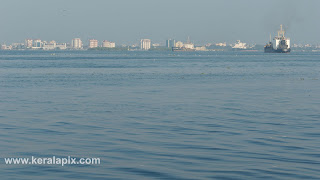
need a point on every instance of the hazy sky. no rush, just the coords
(127, 21)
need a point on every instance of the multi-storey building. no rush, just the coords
(28, 43)
(108, 44)
(93, 43)
(170, 43)
(76, 43)
(37, 44)
(145, 44)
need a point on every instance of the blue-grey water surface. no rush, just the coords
(161, 115)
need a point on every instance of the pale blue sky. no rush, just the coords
(127, 21)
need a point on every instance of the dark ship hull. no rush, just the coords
(268, 49)
(282, 50)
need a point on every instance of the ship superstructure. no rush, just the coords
(239, 45)
(282, 43)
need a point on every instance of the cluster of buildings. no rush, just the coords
(170, 44)
(305, 46)
(38, 44)
(77, 44)
(145, 45)
(93, 43)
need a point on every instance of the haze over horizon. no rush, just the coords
(126, 22)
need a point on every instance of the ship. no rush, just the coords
(282, 43)
(239, 46)
(184, 47)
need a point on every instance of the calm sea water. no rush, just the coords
(161, 115)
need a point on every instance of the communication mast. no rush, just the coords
(281, 32)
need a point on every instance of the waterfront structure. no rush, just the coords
(5, 47)
(93, 43)
(76, 43)
(108, 44)
(52, 45)
(170, 43)
(28, 43)
(145, 44)
(61, 46)
(49, 46)
(17, 46)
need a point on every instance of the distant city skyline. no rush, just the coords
(127, 22)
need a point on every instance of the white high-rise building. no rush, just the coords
(76, 43)
(28, 43)
(145, 44)
(93, 43)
